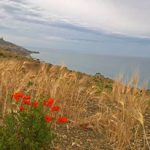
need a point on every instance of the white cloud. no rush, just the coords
(129, 17)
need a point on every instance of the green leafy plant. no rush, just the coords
(28, 127)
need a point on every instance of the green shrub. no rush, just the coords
(27, 127)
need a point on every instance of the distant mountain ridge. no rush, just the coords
(8, 46)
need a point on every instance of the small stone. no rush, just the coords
(64, 136)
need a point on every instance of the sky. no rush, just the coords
(114, 27)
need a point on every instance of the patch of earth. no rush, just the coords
(77, 138)
(80, 137)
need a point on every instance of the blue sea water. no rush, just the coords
(109, 66)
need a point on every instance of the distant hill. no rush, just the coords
(13, 48)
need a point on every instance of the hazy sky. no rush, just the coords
(118, 27)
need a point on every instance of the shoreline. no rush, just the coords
(97, 74)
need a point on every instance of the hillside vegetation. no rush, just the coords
(9, 50)
(103, 114)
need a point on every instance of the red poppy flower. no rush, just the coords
(48, 118)
(35, 104)
(26, 102)
(26, 97)
(62, 120)
(21, 108)
(18, 96)
(55, 108)
(49, 102)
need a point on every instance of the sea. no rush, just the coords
(107, 65)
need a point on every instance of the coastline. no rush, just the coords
(101, 68)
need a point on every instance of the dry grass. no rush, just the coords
(119, 113)
(42, 81)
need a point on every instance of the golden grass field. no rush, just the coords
(95, 103)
